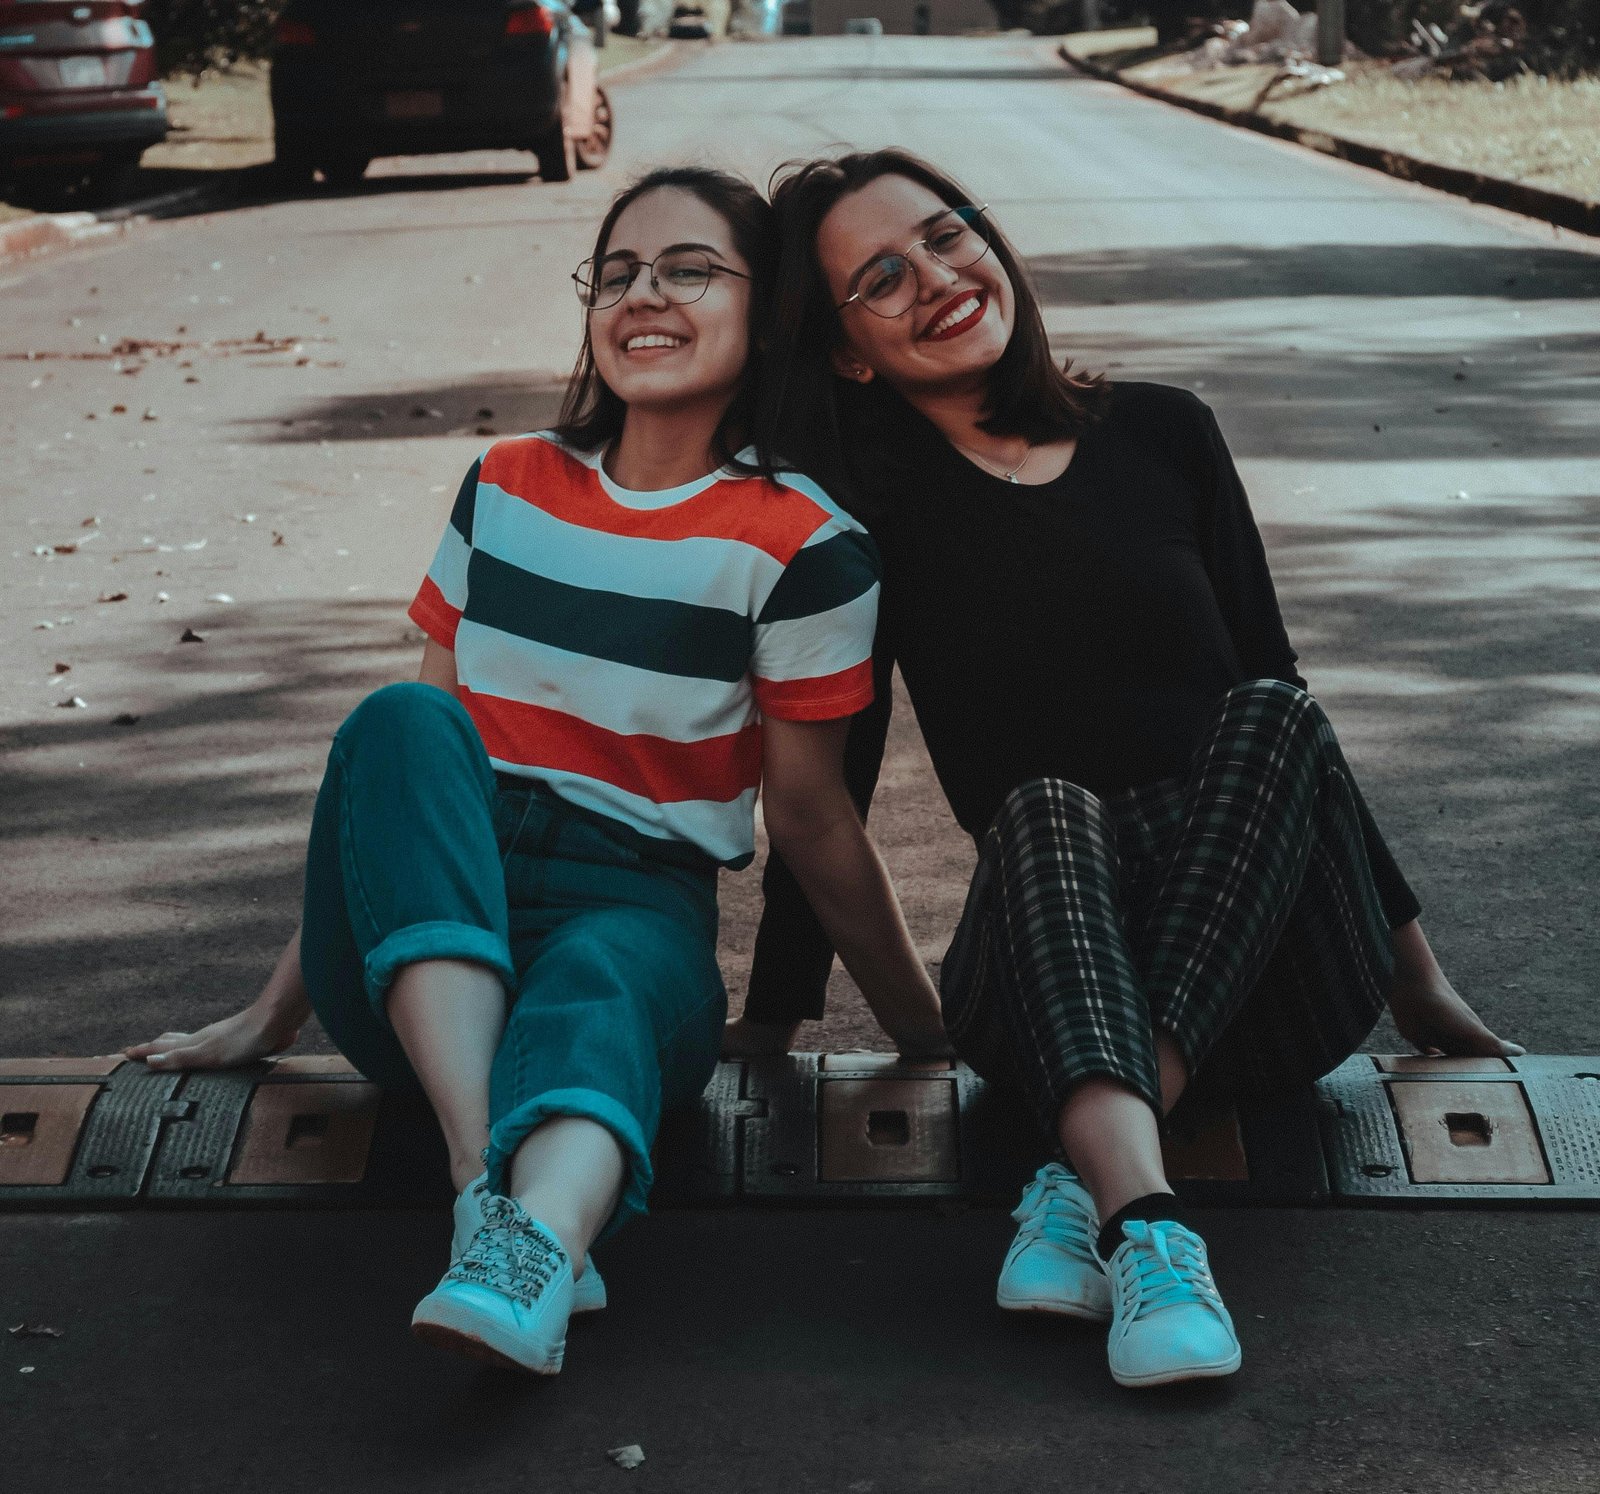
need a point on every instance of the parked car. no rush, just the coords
(355, 79)
(863, 26)
(79, 100)
(689, 23)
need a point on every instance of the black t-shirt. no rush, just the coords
(1084, 628)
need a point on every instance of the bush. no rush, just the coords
(193, 35)
(1563, 35)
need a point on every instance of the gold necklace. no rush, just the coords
(994, 467)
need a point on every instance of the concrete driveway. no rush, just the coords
(1411, 385)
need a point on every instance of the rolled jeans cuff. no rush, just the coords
(508, 1133)
(435, 941)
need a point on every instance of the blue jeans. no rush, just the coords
(604, 940)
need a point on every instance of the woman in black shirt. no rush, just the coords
(1179, 887)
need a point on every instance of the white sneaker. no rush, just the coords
(589, 1291)
(1169, 1323)
(508, 1297)
(1052, 1265)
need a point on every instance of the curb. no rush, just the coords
(1554, 208)
(30, 238)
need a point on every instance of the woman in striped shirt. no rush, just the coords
(634, 622)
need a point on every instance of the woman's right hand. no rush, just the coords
(742, 1038)
(240, 1039)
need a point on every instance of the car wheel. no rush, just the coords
(593, 149)
(557, 150)
(293, 164)
(109, 180)
(344, 173)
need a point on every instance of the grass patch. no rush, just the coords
(1538, 131)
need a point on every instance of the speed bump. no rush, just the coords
(1491, 1130)
(800, 1128)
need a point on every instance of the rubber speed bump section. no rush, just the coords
(698, 1147)
(77, 1132)
(1265, 1152)
(867, 1126)
(855, 1126)
(888, 1130)
(305, 1130)
(39, 1126)
(1523, 1130)
(306, 1133)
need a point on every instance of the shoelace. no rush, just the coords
(1048, 1212)
(510, 1254)
(1166, 1268)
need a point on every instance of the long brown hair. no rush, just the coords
(592, 413)
(828, 426)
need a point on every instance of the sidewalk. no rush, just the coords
(1530, 145)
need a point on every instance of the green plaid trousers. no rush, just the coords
(1234, 908)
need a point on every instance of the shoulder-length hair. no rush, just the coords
(829, 426)
(592, 413)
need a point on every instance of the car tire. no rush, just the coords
(556, 149)
(344, 173)
(109, 181)
(593, 149)
(294, 164)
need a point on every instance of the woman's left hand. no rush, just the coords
(1434, 1018)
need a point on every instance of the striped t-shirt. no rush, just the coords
(622, 647)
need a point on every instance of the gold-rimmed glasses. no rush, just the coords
(888, 286)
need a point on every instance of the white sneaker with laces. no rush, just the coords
(1168, 1320)
(589, 1291)
(1052, 1265)
(507, 1299)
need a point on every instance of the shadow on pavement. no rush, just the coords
(505, 404)
(1196, 274)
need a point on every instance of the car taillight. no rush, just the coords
(294, 34)
(531, 20)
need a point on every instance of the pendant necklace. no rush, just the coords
(994, 467)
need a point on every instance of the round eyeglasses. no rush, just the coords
(888, 286)
(679, 275)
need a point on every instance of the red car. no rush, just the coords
(79, 100)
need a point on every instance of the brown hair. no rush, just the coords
(592, 413)
(819, 421)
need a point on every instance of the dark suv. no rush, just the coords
(79, 102)
(354, 79)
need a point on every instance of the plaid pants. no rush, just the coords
(1234, 909)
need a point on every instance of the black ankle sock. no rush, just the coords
(1152, 1206)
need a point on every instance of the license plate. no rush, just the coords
(83, 72)
(424, 105)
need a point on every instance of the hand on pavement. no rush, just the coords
(927, 1040)
(240, 1039)
(742, 1038)
(1433, 1017)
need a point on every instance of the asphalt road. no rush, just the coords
(1412, 386)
